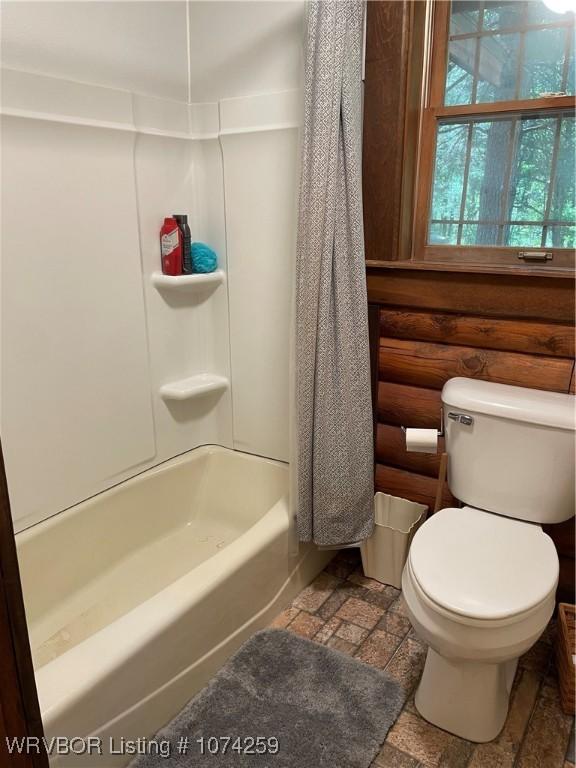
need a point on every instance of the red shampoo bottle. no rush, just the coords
(171, 247)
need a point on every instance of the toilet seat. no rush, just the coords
(480, 566)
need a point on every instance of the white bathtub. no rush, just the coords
(136, 597)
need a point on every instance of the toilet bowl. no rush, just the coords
(479, 590)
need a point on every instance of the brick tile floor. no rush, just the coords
(344, 610)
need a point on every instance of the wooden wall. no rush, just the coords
(434, 325)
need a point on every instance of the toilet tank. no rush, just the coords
(510, 449)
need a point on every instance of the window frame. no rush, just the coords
(433, 110)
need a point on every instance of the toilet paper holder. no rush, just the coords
(441, 430)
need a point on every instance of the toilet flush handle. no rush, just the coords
(463, 418)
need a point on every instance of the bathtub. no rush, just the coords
(136, 597)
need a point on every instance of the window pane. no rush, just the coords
(480, 133)
(570, 86)
(498, 68)
(469, 234)
(442, 233)
(449, 175)
(543, 62)
(532, 169)
(459, 80)
(488, 174)
(524, 236)
(500, 51)
(561, 237)
(505, 181)
(538, 13)
(464, 16)
(562, 203)
(503, 15)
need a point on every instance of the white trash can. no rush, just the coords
(385, 552)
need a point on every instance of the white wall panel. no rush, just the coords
(76, 398)
(245, 48)
(188, 329)
(261, 171)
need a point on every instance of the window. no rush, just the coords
(497, 171)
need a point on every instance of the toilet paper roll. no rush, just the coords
(422, 440)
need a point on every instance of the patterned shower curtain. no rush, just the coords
(333, 400)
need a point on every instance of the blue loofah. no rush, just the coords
(203, 258)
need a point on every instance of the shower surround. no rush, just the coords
(146, 556)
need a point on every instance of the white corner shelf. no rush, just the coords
(194, 386)
(187, 282)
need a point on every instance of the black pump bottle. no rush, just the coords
(182, 220)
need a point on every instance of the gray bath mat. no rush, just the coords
(325, 709)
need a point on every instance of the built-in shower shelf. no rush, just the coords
(194, 386)
(187, 282)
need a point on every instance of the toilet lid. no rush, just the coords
(482, 565)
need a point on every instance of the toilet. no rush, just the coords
(480, 580)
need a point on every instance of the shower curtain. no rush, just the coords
(334, 440)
